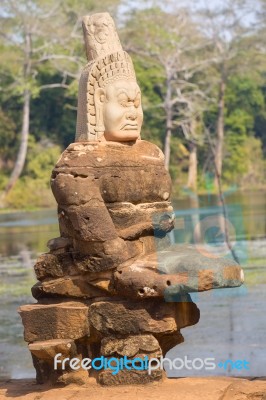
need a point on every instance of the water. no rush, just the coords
(230, 326)
(22, 237)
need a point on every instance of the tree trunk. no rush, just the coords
(22, 153)
(193, 167)
(220, 131)
(167, 149)
(21, 157)
(192, 185)
(168, 133)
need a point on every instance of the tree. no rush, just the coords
(228, 28)
(172, 42)
(37, 35)
(245, 96)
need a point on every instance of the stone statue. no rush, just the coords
(112, 284)
(109, 103)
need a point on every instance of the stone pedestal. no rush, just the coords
(107, 327)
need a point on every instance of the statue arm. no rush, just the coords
(83, 214)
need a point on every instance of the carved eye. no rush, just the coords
(137, 102)
(123, 100)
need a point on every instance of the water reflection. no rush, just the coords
(253, 205)
(24, 235)
(27, 230)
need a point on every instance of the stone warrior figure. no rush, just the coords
(112, 285)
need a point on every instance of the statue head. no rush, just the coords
(115, 100)
(108, 87)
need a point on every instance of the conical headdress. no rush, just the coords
(107, 62)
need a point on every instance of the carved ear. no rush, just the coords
(99, 97)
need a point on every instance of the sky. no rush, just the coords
(193, 4)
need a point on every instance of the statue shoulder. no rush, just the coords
(109, 154)
(150, 149)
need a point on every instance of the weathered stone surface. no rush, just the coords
(110, 154)
(142, 280)
(186, 312)
(126, 318)
(103, 255)
(60, 244)
(176, 270)
(78, 378)
(135, 349)
(204, 270)
(125, 377)
(76, 287)
(245, 390)
(43, 354)
(65, 225)
(45, 373)
(168, 341)
(92, 258)
(68, 320)
(137, 229)
(130, 346)
(141, 159)
(148, 244)
(48, 265)
(47, 350)
(101, 258)
(73, 190)
(126, 214)
(88, 221)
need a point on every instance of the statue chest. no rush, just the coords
(144, 184)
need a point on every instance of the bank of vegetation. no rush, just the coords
(202, 73)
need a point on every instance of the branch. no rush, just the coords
(52, 12)
(41, 47)
(50, 57)
(53, 85)
(5, 36)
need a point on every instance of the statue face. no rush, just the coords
(122, 112)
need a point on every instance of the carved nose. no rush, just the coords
(132, 115)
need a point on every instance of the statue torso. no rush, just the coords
(124, 188)
(130, 172)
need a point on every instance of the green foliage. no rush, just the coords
(53, 113)
(33, 188)
(245, 92)
(245, 101)
(178, 163)
(7, 137)
(243, 161)
(30, 194)
(239, 122)
(151, 37)
(150, 80)
(41, 160)
(244, 120)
